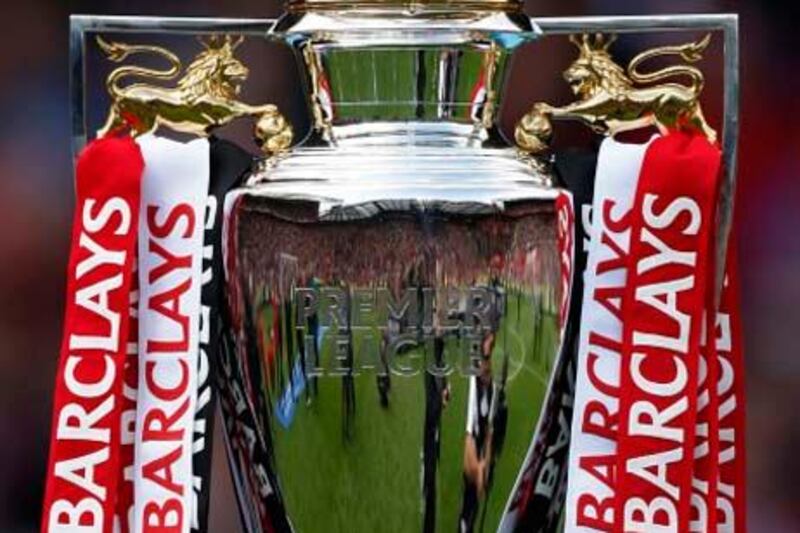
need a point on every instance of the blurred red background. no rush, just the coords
(36, 206)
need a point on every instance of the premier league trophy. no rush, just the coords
(411, 274)
(408, 290)
(395, 348)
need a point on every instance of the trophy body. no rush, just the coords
(395, 283)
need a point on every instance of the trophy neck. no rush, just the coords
(459, 6)
(387, 75)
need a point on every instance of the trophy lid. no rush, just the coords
(409, 6)
(392, 22)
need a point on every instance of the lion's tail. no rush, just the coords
(118, 52)
(690, 52)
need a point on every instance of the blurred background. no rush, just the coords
(36, 204)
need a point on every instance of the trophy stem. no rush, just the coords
(425, 72)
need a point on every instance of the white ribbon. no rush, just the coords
(618, 169)
(174, 189)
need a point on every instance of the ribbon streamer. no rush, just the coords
(228, 165)
(670, 272)
(123, 521)
(593, 446)
(174, 192)
(731, 501)
(83, 471)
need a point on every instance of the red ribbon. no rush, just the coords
(124, 508)
(565, 231)
(731, 505)
(669, 274)
(83, 468)
(706, 440)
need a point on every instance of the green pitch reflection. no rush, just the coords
(370, 470)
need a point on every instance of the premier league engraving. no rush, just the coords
(398, 279)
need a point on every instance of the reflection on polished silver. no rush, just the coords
(403, 354)
(400, 274)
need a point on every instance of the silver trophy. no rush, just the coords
(408, 288)
(394, 284)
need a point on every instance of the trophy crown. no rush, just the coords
(462, 6)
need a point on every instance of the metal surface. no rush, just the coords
(728, 24)
(401, 270)
(459, 6)
(398, 348)
(456, 83)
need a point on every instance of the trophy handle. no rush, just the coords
(205, 93)
(204, 97)
(613, 100)
(728, 25)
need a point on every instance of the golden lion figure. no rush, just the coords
(611, 103)
(204, 98)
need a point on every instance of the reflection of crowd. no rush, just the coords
(383, 250)
(281, 248)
